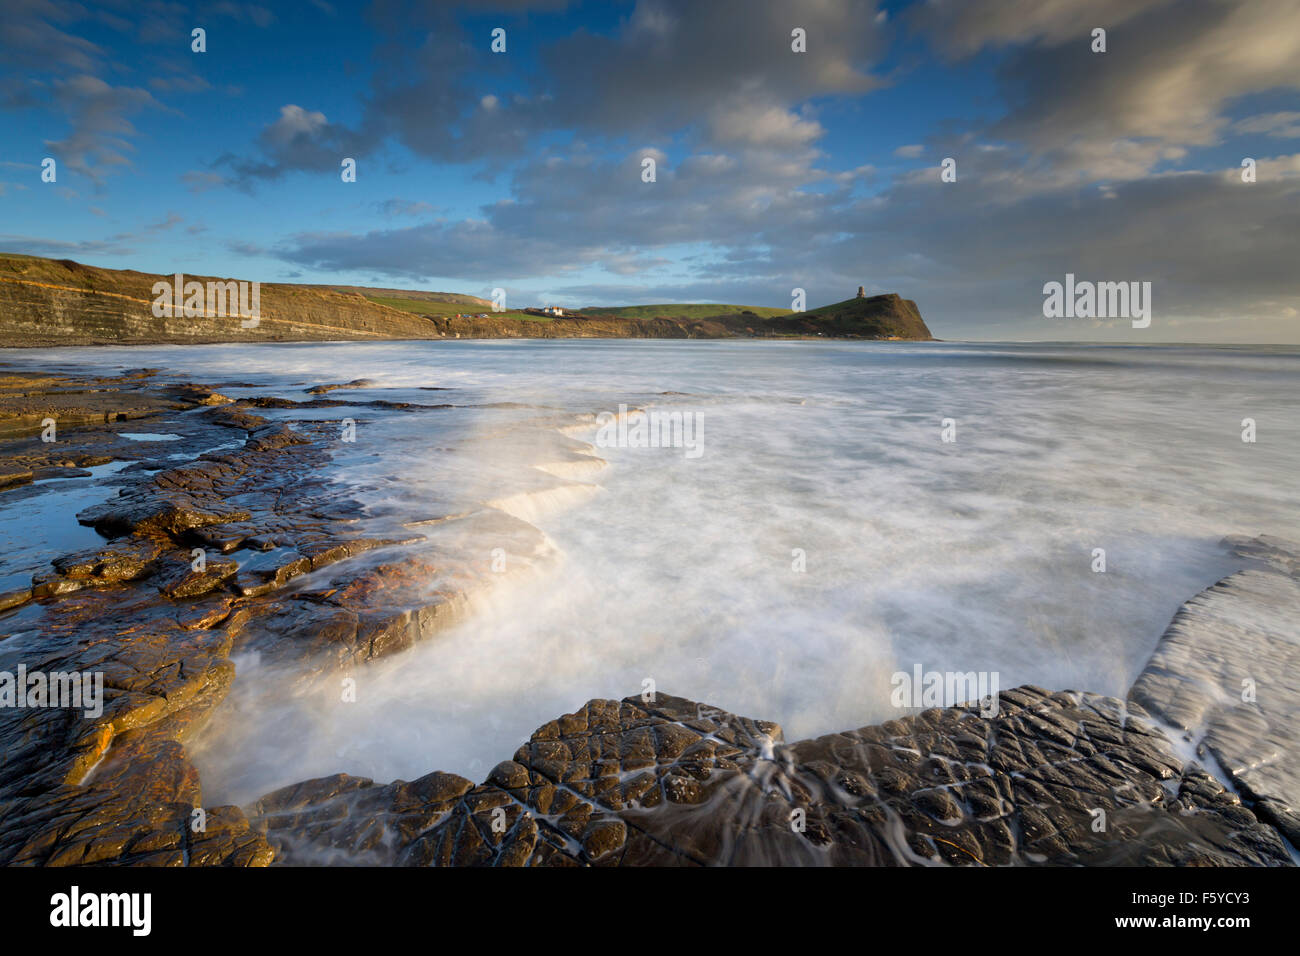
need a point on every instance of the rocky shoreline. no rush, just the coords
(1187, 771)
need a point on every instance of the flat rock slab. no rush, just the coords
(1223, 678)
(1058, 779)
(29, 399)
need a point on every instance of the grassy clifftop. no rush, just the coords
(680, 310)
(887, 316)
(46, 302)
(875, 317)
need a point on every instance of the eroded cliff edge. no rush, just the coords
(49, 302)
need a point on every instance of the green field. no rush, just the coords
(683, 310)
(427, 307)
(424, 306)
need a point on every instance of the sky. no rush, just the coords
(775, 169)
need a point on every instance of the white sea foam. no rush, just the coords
(974, 555)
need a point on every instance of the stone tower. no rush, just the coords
(862, 292)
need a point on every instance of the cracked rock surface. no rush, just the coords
(677, 783)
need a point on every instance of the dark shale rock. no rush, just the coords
(59, 471)
(177, 577)
(15, 597)
(269, 570)
(234, 417)
(14, 475)
(198, 395)
(676, 783)
(323, 389)
(117, 786)
(122, 560)
(140, 809)
(28, 399)
(80, 787)
(350, 820)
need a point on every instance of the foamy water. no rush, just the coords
(973, 555)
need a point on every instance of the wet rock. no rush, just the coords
(143, 808)
(355, 383)
(1223, 678)
(11, 475)
(115, 786)
(322, 810)
(211, 491)
(234, 417)
(44, 474)
(15, 597)
(1266, 550)
(322, 552)
(111, 784)
(674, 782)
(29, 399)
(49, 585)
(159, 626)
(123, 560)
(269, 571)
(178, 576)
(226, 839)
(143, 515)
(198, 395)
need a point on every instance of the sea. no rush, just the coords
(846, 512)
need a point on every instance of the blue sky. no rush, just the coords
(776, 169)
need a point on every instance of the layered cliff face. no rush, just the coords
(47, 302)
(60, 302)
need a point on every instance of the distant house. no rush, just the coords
(553, 310)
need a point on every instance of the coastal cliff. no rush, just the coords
(49, 302)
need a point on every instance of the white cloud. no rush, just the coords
(1284, 124)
